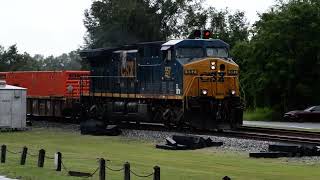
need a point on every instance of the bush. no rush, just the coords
(259, 114)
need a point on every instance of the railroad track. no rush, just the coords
(288, 132)
(258, 133)
(246, 132)
(281, 135)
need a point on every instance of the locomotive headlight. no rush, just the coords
(204, 92)
(233, 92)
(213, 65)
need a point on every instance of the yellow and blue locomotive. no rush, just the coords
(191, 82)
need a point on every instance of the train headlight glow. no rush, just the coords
(233, 92)
(213, 65)
(204, 92)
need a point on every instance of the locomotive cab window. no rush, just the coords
(217, 52)
(187, 52)
(166, 53)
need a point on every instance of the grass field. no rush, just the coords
(258, 114)
(80, 153)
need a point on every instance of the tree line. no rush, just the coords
(12, 60)
(279, 55)
(280, 64)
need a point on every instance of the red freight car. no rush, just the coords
(49, 93)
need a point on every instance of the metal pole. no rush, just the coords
(126, 171)
(3, 153)
(42, 154)
(156, 175)
(59, 161)
(102, 170)
(24, 156)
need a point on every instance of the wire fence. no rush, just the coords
(115, 170)
(141, 176)
(60, 165)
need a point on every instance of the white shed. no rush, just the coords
(12, 106)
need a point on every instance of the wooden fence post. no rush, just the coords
(59, 161)
(3, 153)
(126, 171)
(24, 156)
(102, 169)
(42, 154)
(156, 175)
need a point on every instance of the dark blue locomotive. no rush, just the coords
(189, 82)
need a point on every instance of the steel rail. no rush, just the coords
(281, 131)
(274, 137)
(256, 133)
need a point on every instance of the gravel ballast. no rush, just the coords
(232, 144)
(236, 145)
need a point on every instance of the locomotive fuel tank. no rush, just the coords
(119, 111)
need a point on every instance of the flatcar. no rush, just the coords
(50, 94)
(189, 82)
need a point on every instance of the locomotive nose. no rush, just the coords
(209, 77)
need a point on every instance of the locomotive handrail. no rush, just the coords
(189, 86)
(82, 78)
(149, 65)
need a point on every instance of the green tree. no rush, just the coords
(116, 22)
(12, 60)
(230, 27)
(282, 66)
(196, 17)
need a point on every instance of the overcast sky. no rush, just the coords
(53, 27)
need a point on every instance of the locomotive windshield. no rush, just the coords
(184, 52)
(217, 52)
(189, 52)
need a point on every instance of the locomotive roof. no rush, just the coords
(197, 42)
(90, 53)
(97, 52)
(103, 52)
